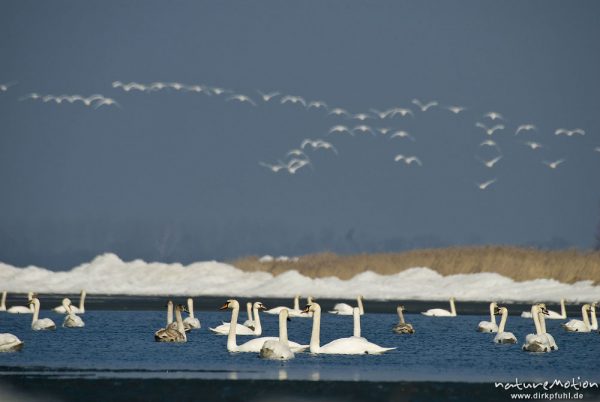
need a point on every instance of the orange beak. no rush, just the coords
(224, 306)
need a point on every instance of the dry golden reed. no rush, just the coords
(514, 262)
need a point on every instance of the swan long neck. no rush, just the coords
(542, 321)
(82, 302)
(584, 314)
(3, 301)
(179, 320)
(400, 315)
(257, 326)
(502, 320)
(283, 336)
(356, 314)
(593, 315)
(563, 310)
(359, 302)
(249, 311)
(169, 312)
(492, 315)
(231, 340)
(452, 307)
(315, 341)
(29, 298)
(36, 311)
(190, 303)
(297, 302)
(536, 319)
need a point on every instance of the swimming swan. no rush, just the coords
(402, 327)
(278, 349)
(578, 325)
(253, 345)
(223, 329)
(489, 326)
(438, 312)
(76, 310)
(173, 335)
(71, 320)
(542, 321)
(552, 315)
(39, 324)
(23, 309)
(10, 343)
(191, 321)
(293, 312)
(501, 336)
(353, 345)
(346, 309)
(536, 342)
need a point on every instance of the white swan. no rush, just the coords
(537, 342)
(402, 327)
(594, 319)
(10, 343)
(278, 349)
(3, 302)
(173, 324)
(276, 310)
(552, 315)
(346, 309)
(501, 336)
(579, 325)
(253, 345)
(76, 310)
(170, 334)
(489, 326)
(439, 312)
(23, 309)
(354, 345)
(191, 321)
(71, 320)
(250, 321)
(543, 312)
(223, 329)
(39, 324)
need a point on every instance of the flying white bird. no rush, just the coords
(219, 91)
(197, 88)
(107, 102)
(4, 87)
(488, 130)
(296, 164)
(569, 133)
(273, 168)
(316, 144)
(178, 86)
(340, 129)
(158, 86)
(489, 143)
(424, 106)
(268, 96)
(494, 116)
(316, 105)
(339, 112)
(525, 127)
(402, 134)
(293, 99)
(380, 114)
(491, 162)
(456, 109)
(134, 85)
(241, 98)
(401, 111)
(533, 145)
(554, 165)
(407, 159)
(362, 116)
(384, 130)
(297, 152)
(486, 184)
(32, 95)
(363, 129)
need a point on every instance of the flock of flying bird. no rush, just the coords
(298, 158)
(281, 348)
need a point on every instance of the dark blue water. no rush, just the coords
(120, 344)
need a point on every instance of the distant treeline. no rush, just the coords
(514, 262)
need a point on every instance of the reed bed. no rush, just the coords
(514, 262)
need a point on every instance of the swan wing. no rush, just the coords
(169, 335)
(437, 312)
(73, 321)
(43, 324)
(505, 337)
(275, 310)
(352, 346)
(192, 322)
(487, 326)
(10, 343)
(19, 310)
(256, 344)
(223, 329)
(276, 350)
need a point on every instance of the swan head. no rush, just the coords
(169, 303)
(230, 304)
(400, 308)
(34, 300)
(182, 308)
(66, 302)
(311, 308)
(259, 306)
(285, 314)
